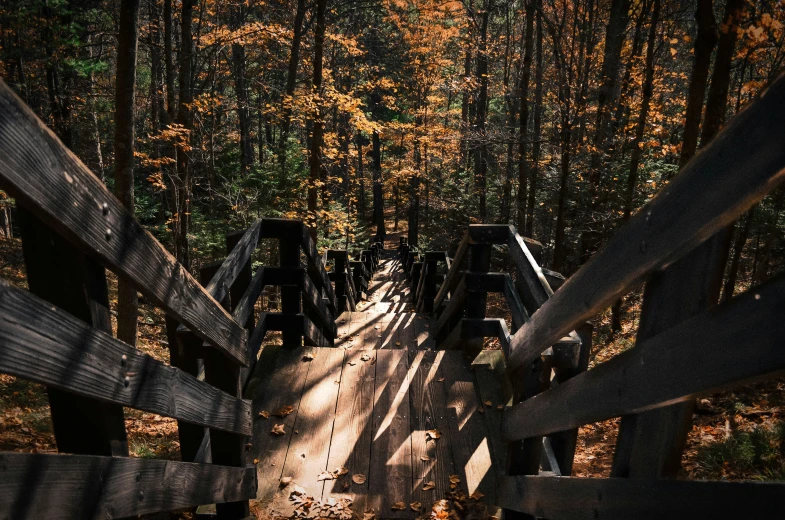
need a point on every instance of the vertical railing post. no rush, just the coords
(340, 284)
(227, 449)
(479, 262)
(429, 284)
(291, 301)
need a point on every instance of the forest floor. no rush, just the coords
(736, 435)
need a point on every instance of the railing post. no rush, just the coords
(479, 262)
(227, 449)
(340, 284)
(429, 285)
(291, 301)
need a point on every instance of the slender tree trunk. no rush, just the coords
(608, 93)
(738, 248)
(535, 170)
(378, 195)
(524, 121)
(168, 60)
(705, 41)
(291, 82)
(315, 160)
(359, 143)
(125, 86)
(237, 18)
(182, 249)
(481, 148)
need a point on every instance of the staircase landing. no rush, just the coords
(406, 422)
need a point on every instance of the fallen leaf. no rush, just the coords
(476, 495)
(481, 409)
(308, 357)
(500, 407)
(283, 412)
(365, 357)
(340, 471)
(488, 403)
(397, 343)
(286, 481)
(358, 478)
(454, 479)
(325, 475)
(398, 506)
(278, 430)
(264, 414)
(416, 506)
(429, 485)
(432, 434)
(425, 457)
(440, 380)
(256, 461)
(369, 515)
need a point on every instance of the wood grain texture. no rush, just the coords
(470, 439)
(350, 446)
(34, 486)
(41, 343)
(390, 478)
(623, 499)
(429, 411)
(452, 277)
(60, 190)
(732, 344)
(743, 163)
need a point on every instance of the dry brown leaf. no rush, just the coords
(369, 515)
(308, 357)
(477, 495)
(429, 485)
(264, 414)
(256, 461)
(278, 430)
(488, 403)
(358, 478)
(286, 481)
(440, 380)
(425, 457)
(398, 506)
(365, 357)
(432, 434)
(416, 506)
(325, 475)
(481, 409)
(397, 343)
(283, 412)
(454, 479)
(500, 407)
(340, 471)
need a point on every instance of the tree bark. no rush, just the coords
(481, 148)
(291, 82)
(535, 170)
(315, 159)
(524, 121)
(237, 18)
(125, 86)
(378, 199)
(183, 183)
(169, 61)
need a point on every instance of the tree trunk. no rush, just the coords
(315, 160)
(524, 99)
(738, 247)
(237, 18)
(183, 182)
(125, 85)
(481, 148)
(705, 41)
(291, 82)
(168, 60)
(378, 195)
(535, 170)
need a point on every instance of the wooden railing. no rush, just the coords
(687, 345)
(59, 334)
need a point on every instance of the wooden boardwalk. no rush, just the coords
(381, 419)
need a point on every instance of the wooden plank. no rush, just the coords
(449, 318)
(743, 163)
(422, 331)
(313, 427)
(469, 435)
(83, 486)
(284, 388)
(64, 277)
(429, 411)
(42, 173)
(734, 343)
(390, 478)
(493, 385)
(405, 332)
(41, 343)
(351, 328)
(350, 446)
(530, 275)
(622, 499)
(239, 256)
(452, 277)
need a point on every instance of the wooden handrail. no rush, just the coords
(52, 183)
(738, 168)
